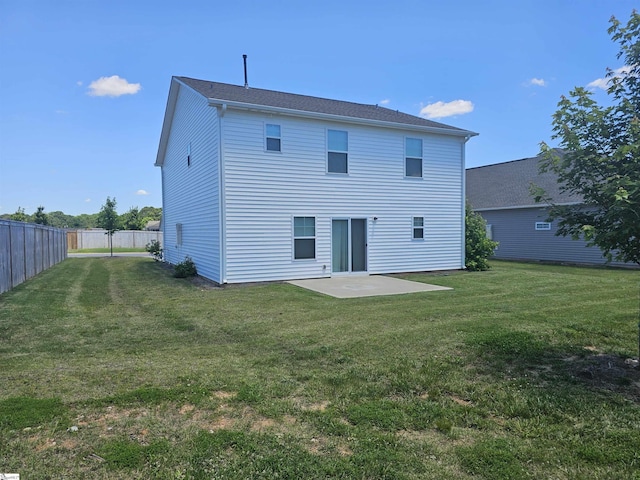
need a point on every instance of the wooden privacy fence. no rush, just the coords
(27, 249)
(97, 238)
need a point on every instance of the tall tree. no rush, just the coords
(19, 215)
(109, 220)
(601, 156)
(132, 220)
(40, 217)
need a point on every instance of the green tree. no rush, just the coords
(60, 220)
(109, 220)
(40, 217)
(601, 156)
(19, 216)
(478, 248)
(131, 220)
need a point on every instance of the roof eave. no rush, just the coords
(519, 207)
(168, 119)
(217, 102)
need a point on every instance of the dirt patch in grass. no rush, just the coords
(608, 372)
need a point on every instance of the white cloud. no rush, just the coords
(386, 101)
(441, 109)
(79, 83)
(62, 112)
(113, 86)
(537, 82)
(142, 192)
(603, 83)
(87, 200)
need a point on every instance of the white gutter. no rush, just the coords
(221, 198)
(214, 102)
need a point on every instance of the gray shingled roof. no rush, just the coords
(304, 103)
(505, 185)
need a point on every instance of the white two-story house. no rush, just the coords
(262, 185)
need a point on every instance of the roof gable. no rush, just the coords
(316, 105)
(506, 185)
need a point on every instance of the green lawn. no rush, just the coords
(515, 373)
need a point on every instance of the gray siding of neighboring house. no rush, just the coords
(519, 240)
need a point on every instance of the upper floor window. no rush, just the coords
(338, 147)
(274, 140)
(418, 228)
(304, 238)
(413, 157)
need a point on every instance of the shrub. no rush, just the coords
(155, 249)
(185, 269)
(478, 248)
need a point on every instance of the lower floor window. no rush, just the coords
(418, 228)
(304, 238)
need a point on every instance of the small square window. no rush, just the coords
(274, 139)
(418, 228)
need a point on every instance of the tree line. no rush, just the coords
(132, 219)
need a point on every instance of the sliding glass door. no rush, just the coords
(349, 245)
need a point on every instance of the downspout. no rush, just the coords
(221, 198)
(464, 202)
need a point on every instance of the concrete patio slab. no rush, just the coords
(364, 286)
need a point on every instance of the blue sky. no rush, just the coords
(84, 84)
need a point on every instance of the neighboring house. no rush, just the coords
(263, 185)
(153, 225)
(501, 194)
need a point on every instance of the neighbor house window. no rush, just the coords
(304, 238)
(178, 234)
(338, 143)
(413, 157)
(274, 140)
(543, 226)
(418, 228)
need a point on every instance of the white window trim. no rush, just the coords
(542, 226)
(405, 157)
(270, 136)
(294, 238)
(414, 227)
(336, 151)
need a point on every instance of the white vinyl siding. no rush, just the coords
(190, 179)
(262, 197)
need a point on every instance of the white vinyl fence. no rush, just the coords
(97, 238)
(27, 249)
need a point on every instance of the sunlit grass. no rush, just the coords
(516, 372)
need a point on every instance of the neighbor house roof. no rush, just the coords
(305, 103)
(507, 185)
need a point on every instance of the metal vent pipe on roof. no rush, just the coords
(246, 83)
